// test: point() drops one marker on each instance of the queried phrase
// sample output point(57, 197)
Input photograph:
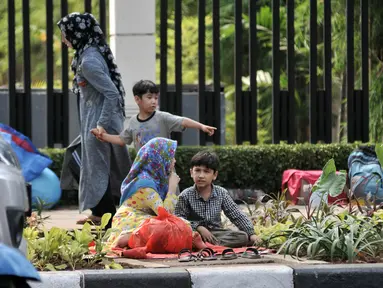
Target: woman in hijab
point(151, 183)
point(98, 84)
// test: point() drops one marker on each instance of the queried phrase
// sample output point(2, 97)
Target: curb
point(273, 276)
point(156, 278)
point(224, 277)
point(69, 279)
point(337, 276)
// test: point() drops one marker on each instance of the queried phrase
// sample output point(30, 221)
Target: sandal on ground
point(206, 254)
point(228, 254)
point(185, 255)
point(251, 253)
point(91, 220)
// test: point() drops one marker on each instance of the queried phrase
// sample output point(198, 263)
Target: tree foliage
point(38, 39)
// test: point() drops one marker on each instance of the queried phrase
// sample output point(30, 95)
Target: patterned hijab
point(83, 31)
point(150, 168)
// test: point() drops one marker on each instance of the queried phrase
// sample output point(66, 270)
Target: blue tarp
point(31, 160)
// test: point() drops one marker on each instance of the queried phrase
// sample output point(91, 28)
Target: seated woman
point(151, 183)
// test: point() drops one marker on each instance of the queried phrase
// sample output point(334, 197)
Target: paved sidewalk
point(66, 217)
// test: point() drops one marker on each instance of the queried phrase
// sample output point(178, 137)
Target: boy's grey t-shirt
point(160, 124)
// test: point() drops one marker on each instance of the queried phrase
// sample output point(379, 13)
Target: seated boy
point(202, 205)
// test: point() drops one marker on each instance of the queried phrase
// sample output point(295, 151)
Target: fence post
point(276, 72)
point(201, 65)
point(50, 72)
point(350, 4)
point(238, 71)
point(313, 71)
point(12, 64)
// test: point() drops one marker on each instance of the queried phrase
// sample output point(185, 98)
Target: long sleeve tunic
point(99, 105)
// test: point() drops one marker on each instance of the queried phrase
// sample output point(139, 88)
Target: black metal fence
point(209, 100)
point(283, 101)
point(57, 101)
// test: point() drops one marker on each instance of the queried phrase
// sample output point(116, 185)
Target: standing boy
point(203, 203)
point(149, 123)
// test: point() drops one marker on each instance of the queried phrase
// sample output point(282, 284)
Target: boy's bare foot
point(198, 242)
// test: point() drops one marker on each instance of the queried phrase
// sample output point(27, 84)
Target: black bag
point(75, 163)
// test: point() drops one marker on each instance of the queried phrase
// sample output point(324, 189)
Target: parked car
point(14, 199)
point(15, 205)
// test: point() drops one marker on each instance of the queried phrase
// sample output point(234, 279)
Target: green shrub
point(57, 156)
point(259, 166)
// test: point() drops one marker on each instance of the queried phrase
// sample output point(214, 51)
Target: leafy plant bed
point(353, 235)
point(366, 261)
point(94, 266)
point(59, 249)
point(345, 237)
point(361, 259)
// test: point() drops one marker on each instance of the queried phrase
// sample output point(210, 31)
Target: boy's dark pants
point(230, 238)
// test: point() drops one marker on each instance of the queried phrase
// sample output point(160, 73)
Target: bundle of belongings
point(43, 183)
point(32, 161)
point(299, 184)
point(365, 175)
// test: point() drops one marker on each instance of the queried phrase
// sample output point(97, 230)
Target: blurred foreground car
point(15, 197)
point(15, 205)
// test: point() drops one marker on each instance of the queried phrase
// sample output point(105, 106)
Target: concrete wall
point(133, 42)
point(40, 118)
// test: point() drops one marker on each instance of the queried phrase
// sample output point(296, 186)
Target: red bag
point(165, 233)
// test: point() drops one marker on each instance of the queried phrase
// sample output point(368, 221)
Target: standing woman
point(98, 83)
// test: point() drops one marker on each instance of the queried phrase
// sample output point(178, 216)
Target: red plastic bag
point(164, 233)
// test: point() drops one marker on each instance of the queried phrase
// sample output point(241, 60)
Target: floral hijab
point(150, 168)
point(83, 31)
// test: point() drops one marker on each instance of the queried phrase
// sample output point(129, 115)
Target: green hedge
point(259, 166)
